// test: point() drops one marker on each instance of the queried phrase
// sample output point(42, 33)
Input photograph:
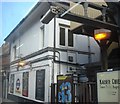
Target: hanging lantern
point(102, 34)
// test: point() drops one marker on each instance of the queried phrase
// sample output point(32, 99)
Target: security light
point(21, 63)
point(50, 14)
point(102, 34)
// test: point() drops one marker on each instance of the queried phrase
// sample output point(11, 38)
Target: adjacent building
point(4, 69)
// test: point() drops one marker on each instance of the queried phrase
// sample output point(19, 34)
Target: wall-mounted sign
point(25, 84)
point(65, 89)
point(108, 86)
point(18, 84)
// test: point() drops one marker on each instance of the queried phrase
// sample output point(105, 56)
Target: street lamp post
point(104, 60)
point(102, 35)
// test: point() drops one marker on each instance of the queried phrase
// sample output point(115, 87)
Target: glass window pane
point(62, 36)
point(70, 38)
point(43, 34)
point(14, 52)
point(40, 84)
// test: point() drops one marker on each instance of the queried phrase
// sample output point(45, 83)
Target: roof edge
point(19, 24)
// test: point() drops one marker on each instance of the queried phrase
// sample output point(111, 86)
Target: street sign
point(108, 87)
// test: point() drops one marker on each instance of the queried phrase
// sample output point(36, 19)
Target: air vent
point(70, 58)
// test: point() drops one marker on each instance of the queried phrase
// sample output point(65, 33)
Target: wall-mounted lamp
point(50, 14)
point(21, 63)
point(102, 34)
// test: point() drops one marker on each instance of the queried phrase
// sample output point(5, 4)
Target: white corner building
point(34, 44)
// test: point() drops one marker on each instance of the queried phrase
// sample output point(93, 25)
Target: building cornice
point(49, 49)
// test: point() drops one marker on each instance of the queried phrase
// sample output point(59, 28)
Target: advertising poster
point(11, 83)
point(25, 84)
point(65, 89)
point(108, 87)
point(18, 84)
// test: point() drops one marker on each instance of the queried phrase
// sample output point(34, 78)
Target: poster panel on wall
point(65, 89)
point(11, 83)
point(25, 84)
point(18, 84)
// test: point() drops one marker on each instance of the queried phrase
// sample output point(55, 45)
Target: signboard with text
point(65, 89)
point(108, 86)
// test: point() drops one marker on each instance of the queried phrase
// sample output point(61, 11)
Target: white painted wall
point(32, 40)
point(32, 80)
point(28, 42)
point(80, 43)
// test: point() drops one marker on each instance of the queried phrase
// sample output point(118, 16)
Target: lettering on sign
point(108, 86)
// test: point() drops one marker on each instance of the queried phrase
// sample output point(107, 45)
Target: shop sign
point(108, 86)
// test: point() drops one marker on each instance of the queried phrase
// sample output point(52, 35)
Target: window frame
point(67, 28)
point(14, 52)
point(42, 29)
point(40, 96)
point(72, 38)
point(61, 36)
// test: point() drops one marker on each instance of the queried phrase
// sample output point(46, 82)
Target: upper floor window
point(43, 36)
point(14, 52)
point(66, 37)
point(70, 38)
point(62, 36)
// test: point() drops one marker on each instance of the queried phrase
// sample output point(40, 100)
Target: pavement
point(5, 101)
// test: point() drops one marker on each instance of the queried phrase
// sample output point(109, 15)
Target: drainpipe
point(59, 62)
point(54, 37)
point(54, 42)
point(54, 51)
point(89, 50)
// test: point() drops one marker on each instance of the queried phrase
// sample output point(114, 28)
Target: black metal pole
point(104, 60)
point(54, 36)
point(103, 46)
point(54, 43)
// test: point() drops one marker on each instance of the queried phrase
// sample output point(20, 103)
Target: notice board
point(108, 87)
